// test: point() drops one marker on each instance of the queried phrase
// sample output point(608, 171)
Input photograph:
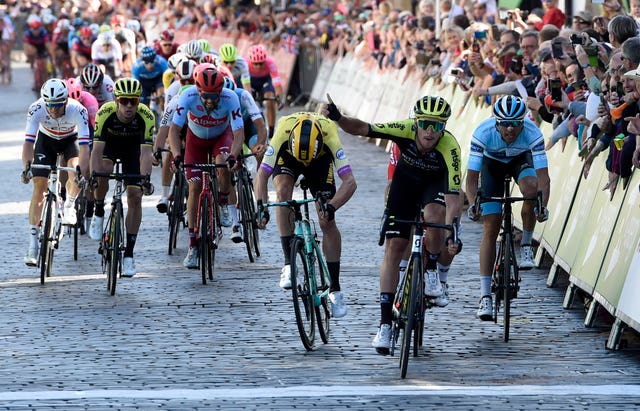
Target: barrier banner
point(619, 252)
point(318, 93)
point(374, 87)
point(391, 98)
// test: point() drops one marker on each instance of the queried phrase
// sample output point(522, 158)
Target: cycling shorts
point(197, 150)
point(129, 155)
point(319, 174)
point(492, 178)
point(47, 148)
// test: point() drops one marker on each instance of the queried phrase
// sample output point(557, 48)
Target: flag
point(290, 43)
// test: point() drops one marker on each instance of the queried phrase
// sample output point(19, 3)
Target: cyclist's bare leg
point(332, 240)
point(37, 199)
point(528, 188)
point(490, 231)
point(100, 192)
point(72, 187)
point(167, 174)
point(134, 211)
point(395, 249)
point(283, 184)
point(434, 213)
point(195, 187)
point(270, 106)
point(223, 175)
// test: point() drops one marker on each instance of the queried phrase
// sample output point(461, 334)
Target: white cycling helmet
point(105, 37)
point(54, 90)
point(185, 69)
point(95, 28)
point(193, 50)
point(175, 59)
point(133, 25)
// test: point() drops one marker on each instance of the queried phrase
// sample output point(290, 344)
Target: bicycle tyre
point(506, 278)
point(175, 211)
point(205, 256)
point(323, 282)
point(418, 331)
point(46, 237)
point(497, 282)
point(300, 292)
point(114, 249)
point(80, 206)
point(252, 213)
point(243, 208)
point(405, 345)
point(215, 233)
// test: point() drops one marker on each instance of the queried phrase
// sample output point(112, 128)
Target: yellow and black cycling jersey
point(444, 159)
point(331, 143)
point(109, 129)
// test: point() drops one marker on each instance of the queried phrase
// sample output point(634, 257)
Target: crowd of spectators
point(579, 73)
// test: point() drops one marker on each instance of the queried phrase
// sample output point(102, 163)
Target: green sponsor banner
point(617, 261)
point(509, 4)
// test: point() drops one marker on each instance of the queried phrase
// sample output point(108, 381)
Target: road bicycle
point(51, 218)
point(410, 303)
point(505, 275)
point(113, 239)
point(208, 229)
point(81, 210)
point(176, 205)
point(310, 281)
point(247, 209)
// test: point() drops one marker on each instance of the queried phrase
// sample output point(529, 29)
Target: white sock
point(526, 237)
point(34, 232)
point(165, 191)
point(233, 211)
point(70, 201)
point(485, 285)
point(443, 271)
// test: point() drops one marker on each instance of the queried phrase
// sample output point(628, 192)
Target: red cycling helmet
point(75, 88)
point(257, 54)
point(118, 20)
point(35, 24)
point(207, 78)
point(86, 32)
point(166, 35)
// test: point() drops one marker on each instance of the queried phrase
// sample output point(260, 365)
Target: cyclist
point(184, 71)
point(55, 125)
point(214, 126)
point(37, 41)
point(165, 46)
point(238, 65)
point(255, 137)
point(124, 130)
point(430, 159)
point(192, 49)
point(81, 48)
point(507, 143)
point(149, 69)
point(127, 40)
point(265, 81)
point(106, 51)
point(308, 144)
point(97, 83)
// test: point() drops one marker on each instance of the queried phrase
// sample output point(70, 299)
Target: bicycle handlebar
point(503, 200)
point(51, 168)
point(453, 227)
point(120, 176)
point(206, 166)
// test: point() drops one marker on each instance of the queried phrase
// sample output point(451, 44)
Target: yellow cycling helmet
point(432, 107)
point(228, 53)
point(127, 87)
point(305, 139)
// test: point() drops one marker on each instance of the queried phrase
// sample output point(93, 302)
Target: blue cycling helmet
point(148, 54)
point(509, 108)
point(228, 83)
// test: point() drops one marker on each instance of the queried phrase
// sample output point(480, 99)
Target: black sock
point(89, 210)
point(432, 261)
point(386, 304)
point(286, 248)
point(99, 211)
point(271, 131)
point(334, 273)
point(131, 242)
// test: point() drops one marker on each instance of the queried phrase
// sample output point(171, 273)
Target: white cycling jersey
point(74, 120)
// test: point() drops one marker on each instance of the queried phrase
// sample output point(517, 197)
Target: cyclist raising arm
point(507, 143)
point(308, 144)
point(124, 130)
point(55, 125)
point(430, 158)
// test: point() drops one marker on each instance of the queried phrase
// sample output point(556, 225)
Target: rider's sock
point(432, 260)
point(386, 304)
point(233, 211)
point(70, 201)
point(271, 131)
point(99, 208)
point(485, 285)
point(34, 231)
point(526, 237)
point(443, 272)
point(193, 242)
point(131, 242)
point(89, 210)
point(285, 241)
point(334, 273)
point(165, 191)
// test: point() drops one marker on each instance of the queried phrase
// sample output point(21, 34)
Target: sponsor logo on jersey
point(340, 155)
point(208, 121)
point(269, 151)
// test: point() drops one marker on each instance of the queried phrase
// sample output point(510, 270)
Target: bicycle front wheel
point(506, 289)
point(46, 238)
point(113, 245)
point(205, 246)
point(245, 219)
point(176, 211)
point(323, 282)
point(301, 294)
point(405, 344)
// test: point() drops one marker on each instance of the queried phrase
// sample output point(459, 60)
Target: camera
point(555, 87)
point(457, 71)
point(577, 39)
point(515, 65)
point(419, 45)
point(591, 50)
point(505, 15)
point(479, 34)
point(435, 62)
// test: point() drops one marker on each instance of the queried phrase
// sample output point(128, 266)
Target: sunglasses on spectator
point(433, 124)
point(210, 96)
point(55, 104)
point(129, 101)
point(510, 123)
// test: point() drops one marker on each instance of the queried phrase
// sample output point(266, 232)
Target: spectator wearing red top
point(553, 15)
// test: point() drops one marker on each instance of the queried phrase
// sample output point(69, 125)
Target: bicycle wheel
point(245, 221)
point(405, 344)
point(46, 237)
point(175, 211)
point(205, 246)
point(506, 278)
point(418, 331)
point(497, 283)
point(323, 281)
point(114, 247)
point(252, 211)
point(78, 228)
point(301, 294)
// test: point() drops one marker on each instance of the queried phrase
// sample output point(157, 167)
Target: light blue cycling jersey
point(250, 110)
point(487, 142)
point(208, 125)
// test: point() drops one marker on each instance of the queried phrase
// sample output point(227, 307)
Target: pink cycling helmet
point(75, 88)
point(257, 54)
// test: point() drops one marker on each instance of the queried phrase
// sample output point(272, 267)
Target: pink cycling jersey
point(269, 68)
point(90, 102)
point(208, 125)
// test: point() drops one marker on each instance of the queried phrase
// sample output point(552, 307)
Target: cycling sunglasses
point(126, 101)
point(433, 124)
point(210, 96)
point(55, 104)
point(510, 123)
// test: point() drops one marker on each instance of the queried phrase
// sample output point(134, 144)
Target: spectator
point(553, 15)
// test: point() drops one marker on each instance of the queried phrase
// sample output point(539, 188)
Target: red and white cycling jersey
point(208, 125)
point(74, 120)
